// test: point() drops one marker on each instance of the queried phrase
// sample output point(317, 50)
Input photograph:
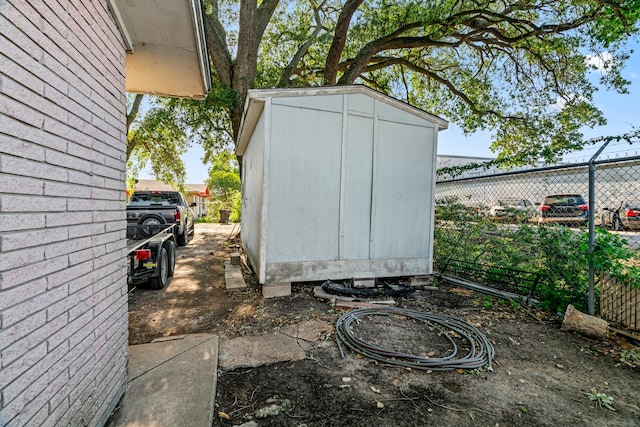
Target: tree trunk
point(584, 324)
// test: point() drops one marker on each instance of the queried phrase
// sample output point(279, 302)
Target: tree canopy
point(517, 68)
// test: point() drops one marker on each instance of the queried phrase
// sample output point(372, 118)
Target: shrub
point(558, 253)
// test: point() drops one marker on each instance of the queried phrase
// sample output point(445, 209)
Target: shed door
point(387, 185)
point(402, 177)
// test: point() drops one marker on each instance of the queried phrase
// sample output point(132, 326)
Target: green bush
point(558, 253)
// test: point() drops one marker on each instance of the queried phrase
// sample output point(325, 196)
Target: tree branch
point(339, 41)
point(133, 113)
point(287, 72)
point(217, 45)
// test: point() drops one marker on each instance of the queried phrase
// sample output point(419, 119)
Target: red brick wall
point(63, 304)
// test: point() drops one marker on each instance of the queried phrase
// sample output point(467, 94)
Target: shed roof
point(257, 97)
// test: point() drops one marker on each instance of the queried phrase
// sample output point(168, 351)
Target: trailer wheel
point(149, 224)
point(160, 280)
point(170, 246)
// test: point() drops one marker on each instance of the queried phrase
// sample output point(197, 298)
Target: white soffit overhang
point(166, 49)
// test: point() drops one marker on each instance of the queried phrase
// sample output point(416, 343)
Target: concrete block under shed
point(364, 283)
point(276, 289)
point(235, 258)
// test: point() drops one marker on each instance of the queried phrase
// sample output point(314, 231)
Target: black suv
point(570, 209)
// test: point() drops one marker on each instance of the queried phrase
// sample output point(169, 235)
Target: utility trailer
point(152, 258)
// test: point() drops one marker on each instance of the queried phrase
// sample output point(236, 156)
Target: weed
point(630, 357)
point(601, 399)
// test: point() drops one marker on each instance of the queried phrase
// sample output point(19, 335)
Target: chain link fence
point(557, 194)
point(536, 220)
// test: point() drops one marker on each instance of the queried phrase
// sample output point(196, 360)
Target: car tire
point(183, 238)
point(159, 282)
point(150, 220)
point(170, 247)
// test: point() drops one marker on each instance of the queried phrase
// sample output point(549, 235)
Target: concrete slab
point(233, 277)
point(287, 345)
point(254, 351)
point(170, 383)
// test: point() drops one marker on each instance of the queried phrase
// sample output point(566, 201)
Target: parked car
point(570, 209)
point(626, 215)
point(149, 211)
point(513, 209)
point(453, 209)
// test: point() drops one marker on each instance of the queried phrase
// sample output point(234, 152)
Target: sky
point(621, 111)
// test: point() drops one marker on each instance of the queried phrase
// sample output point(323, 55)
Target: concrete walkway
point(171, 382)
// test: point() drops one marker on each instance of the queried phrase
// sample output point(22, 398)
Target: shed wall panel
point(320, 102)
point(304, 184)
point(360, 104)
point(358, 169)
point(252, 194)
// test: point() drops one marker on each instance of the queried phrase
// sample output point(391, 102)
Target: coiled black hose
point(480, 351)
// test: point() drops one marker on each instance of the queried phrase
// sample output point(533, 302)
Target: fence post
point(592, 229)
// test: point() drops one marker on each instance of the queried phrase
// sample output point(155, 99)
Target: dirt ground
point(542, 376)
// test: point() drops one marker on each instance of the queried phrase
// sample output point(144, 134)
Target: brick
point(14, 372)
point(64, 189)
point(19, 203)
point(17, 294)
point(92, 253)
point(108, 306)
point(35, 169)
point(86, 230)
point(68, 218)
point(73, 326)
point(13, 33)
point(69, 273)
point(21, 185)
point(56, 413)
point(10, 222)
point(15, 67)
point(33, 305)
point(32, 271)
point(25, 132)
point(23, 386)
point(36, 412)
point(68, 161)
point(21, 149)
point(19, 258)
point(84, 334)
point(102, 193)
point(80, 283)
point(85, 152)
point(108, 258)
point(38, 336)
point(18, 110)
point(26, 239)
point(19, 331)
point(68, 303)
point(77, 93)
point(74, 205)
point(70, 246)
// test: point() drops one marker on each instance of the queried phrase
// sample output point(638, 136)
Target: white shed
point(337, 183)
